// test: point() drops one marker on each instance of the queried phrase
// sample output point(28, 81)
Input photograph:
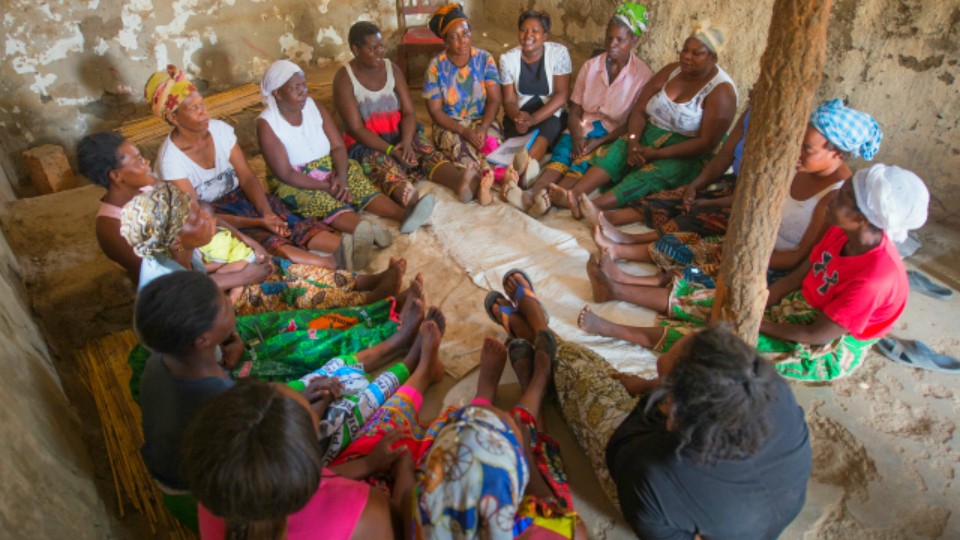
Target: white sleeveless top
point(304, 143)
point(683, 118)
point(797, 216)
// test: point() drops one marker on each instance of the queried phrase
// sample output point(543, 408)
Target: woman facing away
point(310, 170)
point(822, 317)
point(383, 134)
point(201, 157)
point(605, 90)
point(535, 83)
point(166, 228)
point(462, 90)
point(690, 239)
point(679, 118)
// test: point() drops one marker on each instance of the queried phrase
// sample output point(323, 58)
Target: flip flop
point(420, 214)
point(519, 348)
point(503, 319)
point(363, 242)
point(381, 237)
point(546, 341)
point(531, 174)
point(922, 284)
point(523, 291)
point(343, 256)
point(915, 353)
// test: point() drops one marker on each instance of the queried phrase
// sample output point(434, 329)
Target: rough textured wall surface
point(48, 489)
point(896, 59)
point(75, 66)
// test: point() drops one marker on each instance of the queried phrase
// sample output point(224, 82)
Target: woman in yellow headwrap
point(201, 157)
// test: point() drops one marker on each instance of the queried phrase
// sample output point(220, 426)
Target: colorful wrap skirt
point(387, 173)
point(561, 159)
point(663, 211)
point(299, 286)
point(460, 151)
point(302, 230)
point(319, 204)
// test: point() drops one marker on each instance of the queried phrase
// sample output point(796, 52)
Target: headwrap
point(473, 481)
point(892, 199)
point(276, 76)
point(634, 16)
point(166, 90)
point(151, 221)
point(442, 18)
point(848, 129)
point(712, 37)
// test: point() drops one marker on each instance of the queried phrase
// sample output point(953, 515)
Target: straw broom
point(106, 374)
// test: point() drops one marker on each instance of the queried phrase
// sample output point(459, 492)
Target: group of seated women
point(281, 391)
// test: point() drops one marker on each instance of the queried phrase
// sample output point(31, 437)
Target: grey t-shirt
point(168, 404)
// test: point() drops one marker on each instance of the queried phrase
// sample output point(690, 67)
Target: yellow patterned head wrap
point(151, 221)
point(713, 37)
point(442, 18)
point(166, 90)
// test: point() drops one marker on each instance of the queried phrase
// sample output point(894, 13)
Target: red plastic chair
point(416, 39)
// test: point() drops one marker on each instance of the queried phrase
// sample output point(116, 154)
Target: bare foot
point(610, 269)
point(414, 291)
point(390, 280)
point(430, 352)
point(592, 323)
point(510, 191)
point(558, 196)
point(604, 243)
point(405, 194)
point(611, 231)
point(484, 197)
point(598, 282)
point(493, 357)
point(464, 190)
point(410, 318)
point(434, 314)
point(400, 264)
point(540, 204)
point(521, 358)
point(588, 209)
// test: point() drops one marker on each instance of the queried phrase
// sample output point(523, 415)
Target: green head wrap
point(634, 16)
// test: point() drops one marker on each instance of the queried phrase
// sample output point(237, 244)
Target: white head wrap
point(712, 37)
point(892, 199)
point(276, 76)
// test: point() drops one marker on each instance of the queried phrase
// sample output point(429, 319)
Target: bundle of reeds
point(220, 105)
point(106, 374)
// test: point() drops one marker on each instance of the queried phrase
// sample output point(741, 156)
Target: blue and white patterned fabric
point(848, 129)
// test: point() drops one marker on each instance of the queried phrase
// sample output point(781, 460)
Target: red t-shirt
point(864, 293)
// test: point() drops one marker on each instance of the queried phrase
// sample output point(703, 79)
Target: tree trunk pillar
point(790, 72)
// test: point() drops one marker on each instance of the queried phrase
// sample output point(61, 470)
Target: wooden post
point(790, 72)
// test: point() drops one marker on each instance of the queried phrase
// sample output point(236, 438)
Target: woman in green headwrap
point(679, 118)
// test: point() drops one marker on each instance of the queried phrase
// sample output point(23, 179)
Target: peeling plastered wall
point(896, 59)
point(72, 67)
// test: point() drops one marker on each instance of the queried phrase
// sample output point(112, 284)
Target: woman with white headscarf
point(822, 317)
point(308, 160)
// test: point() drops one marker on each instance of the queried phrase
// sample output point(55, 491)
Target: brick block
point(48, 168)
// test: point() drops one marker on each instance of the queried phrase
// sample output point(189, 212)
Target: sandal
point(523, 291)
point(923, 285)
point(546, 341)
point(519, 348)
point(914, 353)
point(503, 319)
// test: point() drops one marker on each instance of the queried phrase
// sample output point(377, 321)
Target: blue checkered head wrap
point(850, 130)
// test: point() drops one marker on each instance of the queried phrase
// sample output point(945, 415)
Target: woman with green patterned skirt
point(310, 171)
point(679, 118)
point(823, 316)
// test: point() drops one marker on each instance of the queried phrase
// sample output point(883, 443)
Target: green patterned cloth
point(286, 345)
point(634, 183)
point(691, 305)
point(634, 15)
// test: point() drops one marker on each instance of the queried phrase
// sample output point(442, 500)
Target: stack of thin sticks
point(218, 106)
point(106, 374)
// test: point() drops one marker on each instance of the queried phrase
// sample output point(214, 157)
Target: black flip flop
point(917, 354)
point(922, 284)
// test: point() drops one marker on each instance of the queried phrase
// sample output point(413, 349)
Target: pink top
point(609, 102)
point(332, 513)
point(863, 293)
point(108, 211)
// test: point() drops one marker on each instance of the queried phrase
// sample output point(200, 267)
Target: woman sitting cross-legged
point(462, 89)
point(716, 446)
point(689, 239)
point(823, 316)
point(535, 81)
point(196, 349)
point(606, 89)
point(310, 170)
point(166, 228)
point(201, 157)
point(679, 118)
point(383, 134)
